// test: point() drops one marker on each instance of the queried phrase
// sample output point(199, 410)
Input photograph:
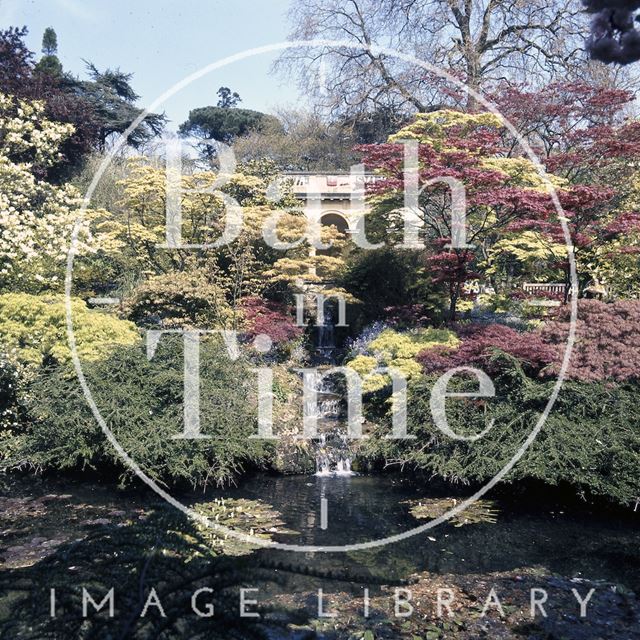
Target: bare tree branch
point(481, 41)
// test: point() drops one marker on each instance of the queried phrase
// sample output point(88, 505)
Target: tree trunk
point(473, 81)
point(454, 294)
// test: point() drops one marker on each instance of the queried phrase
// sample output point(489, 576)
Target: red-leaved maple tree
point(266, 317)
point(480, 344)
point(580, 134)
point(494, 199)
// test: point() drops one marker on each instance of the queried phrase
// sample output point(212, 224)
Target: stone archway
point(335, 219)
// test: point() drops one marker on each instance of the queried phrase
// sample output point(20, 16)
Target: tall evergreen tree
point(49, 42)
point(50, 63)
point(98, 108)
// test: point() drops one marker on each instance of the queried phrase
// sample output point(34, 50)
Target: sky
point(163, 41)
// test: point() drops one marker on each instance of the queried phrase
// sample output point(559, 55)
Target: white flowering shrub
point(36, 217)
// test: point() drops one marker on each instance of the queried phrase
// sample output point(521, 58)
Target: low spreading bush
point(590, 439)
point(398, 350)
point(606, 348)
point(480, 343)
point(607, 345)
point(142, 404)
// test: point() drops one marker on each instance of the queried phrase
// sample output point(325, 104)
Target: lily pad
point(250, 517)
point(431, 508)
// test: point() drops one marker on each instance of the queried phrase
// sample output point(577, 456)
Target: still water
point(66, 534)
point(577, 540)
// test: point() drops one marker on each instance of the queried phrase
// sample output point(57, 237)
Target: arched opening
point(337, 220)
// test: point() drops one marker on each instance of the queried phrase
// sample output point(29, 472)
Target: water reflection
point(576, 541)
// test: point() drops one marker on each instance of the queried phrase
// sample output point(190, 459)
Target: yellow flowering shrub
point(398, 351)
point(463, 305)
point(431, 128)
point(33, 329)
point(363, 365)
point(392, 345)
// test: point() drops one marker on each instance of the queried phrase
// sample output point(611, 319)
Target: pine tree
point(49, 63)
point(49, 42)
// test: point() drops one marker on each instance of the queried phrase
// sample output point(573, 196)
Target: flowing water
point(333, 452)
point(332, 447)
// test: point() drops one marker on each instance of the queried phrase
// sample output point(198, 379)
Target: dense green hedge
point(591, 438)
point(141, 401)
